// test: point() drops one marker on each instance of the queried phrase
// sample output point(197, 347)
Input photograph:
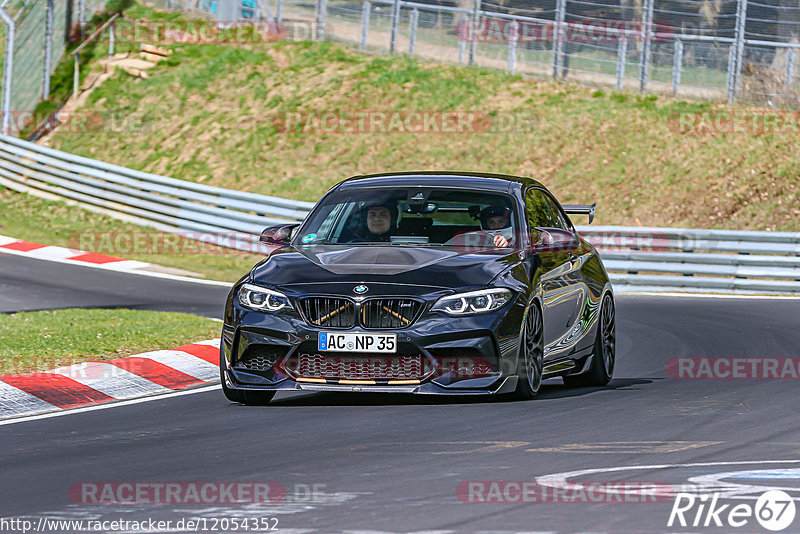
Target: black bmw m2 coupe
point(422, 282)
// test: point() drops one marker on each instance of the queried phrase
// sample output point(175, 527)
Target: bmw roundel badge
point(360, 289)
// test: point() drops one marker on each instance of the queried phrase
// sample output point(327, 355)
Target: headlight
point(473, 302)
point(262, 299)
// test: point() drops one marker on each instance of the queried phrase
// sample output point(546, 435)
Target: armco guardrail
point(638, 259)
point(674, 259)
point(206, 212)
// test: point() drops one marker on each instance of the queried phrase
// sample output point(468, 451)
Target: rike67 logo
point(774, 510)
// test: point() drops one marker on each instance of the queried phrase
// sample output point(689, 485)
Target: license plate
point(357, 342)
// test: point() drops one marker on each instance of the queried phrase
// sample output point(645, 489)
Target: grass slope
point(42, 340)
point(213, 114)
point(56, 223)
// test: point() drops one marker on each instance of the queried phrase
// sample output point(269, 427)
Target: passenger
point(496, 220)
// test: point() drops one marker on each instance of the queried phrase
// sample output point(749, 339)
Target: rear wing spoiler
point(579, 209)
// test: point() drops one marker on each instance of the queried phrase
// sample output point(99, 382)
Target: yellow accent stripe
point(316, 380)
point(363, 382)
point(399, 382)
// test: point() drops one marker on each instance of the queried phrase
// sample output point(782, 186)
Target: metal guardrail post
point(789, 68)
point(647, 37)
point(366, 9)
point(413, 25)
point(474, 30)
point(677, 64)
point(322, 15)
point(463, 36)
point(395, 26)
point(622, 55)
point(738, 49)
point(513, 37)
point(8, 72)
point(48, 50)
point(558, 36)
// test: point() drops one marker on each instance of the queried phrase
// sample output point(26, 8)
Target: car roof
point(468, 180)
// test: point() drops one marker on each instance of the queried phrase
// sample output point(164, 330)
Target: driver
point(381, 220)
point(496, 221)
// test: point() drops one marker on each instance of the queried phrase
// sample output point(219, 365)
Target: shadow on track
point(549, 391)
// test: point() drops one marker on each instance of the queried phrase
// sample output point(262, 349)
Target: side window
point(537, 210)
point(561, 219)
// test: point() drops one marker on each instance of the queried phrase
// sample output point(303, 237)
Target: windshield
point(411, 216)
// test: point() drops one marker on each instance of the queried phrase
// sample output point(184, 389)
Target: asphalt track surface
point(394, 463)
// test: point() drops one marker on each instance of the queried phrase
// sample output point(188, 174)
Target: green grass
point(216, 114)
point(43, 340)
point(56, 223)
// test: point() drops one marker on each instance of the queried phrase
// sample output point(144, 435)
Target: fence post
point(622, 55)
point(558, 34)
point(463, 36)
point(731, 69)
point(789, 67)
point(395, 25)
point(677, 64)
point(366, 8)
point(475, 20)
point(81, 15)
point(111, 38)
point(738, 49)
point(413, 24)
point(322, 15)
point(48, 50)
point(76, 75)
point(8, 72)
point(513, 36)
point(644, 63)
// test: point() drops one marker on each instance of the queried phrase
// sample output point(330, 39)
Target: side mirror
point(279, 235)
point(555, 240)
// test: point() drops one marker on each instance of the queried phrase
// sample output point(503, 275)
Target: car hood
point(441, 267)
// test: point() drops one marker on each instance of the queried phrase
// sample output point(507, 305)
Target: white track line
point(108, 405)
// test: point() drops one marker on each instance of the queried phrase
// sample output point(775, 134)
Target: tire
point(250, 398)
point(531, 354)
point(604, 353)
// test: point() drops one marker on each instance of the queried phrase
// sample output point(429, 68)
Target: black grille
point(330, 311)
point(359, 366)
point(260, 357)
point(378, 313)
point(389, 313)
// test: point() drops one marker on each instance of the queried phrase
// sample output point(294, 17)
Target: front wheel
point(531, 353)
point(604, 354)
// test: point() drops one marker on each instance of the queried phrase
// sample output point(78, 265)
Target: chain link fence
point(35, 34)
point(719, 49)
point(744, 50)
